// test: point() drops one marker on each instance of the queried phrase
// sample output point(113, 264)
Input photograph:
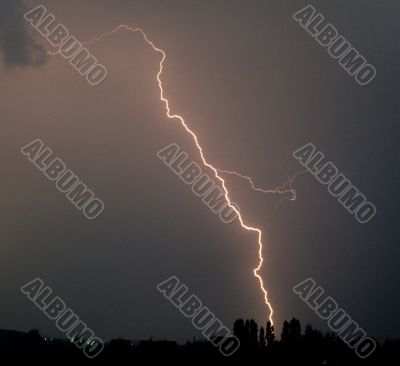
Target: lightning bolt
point(285, 188)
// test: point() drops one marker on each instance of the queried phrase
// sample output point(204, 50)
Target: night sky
point(254, 86)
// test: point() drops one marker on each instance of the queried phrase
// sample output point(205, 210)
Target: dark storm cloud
point(17, 45)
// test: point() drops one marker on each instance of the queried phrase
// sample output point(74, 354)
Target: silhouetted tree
point(34, 342)
point(262, 338)
point(295, 329)
point(285, 336)
point(247, 328)
point(239, 331)
point(253, 333)
point(269, 334)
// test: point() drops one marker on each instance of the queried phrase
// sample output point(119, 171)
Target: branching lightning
point(285, 188)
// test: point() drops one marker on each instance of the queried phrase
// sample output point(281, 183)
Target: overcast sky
point(255, 87)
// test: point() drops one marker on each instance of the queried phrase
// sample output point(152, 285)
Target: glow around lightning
point(285, 188)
